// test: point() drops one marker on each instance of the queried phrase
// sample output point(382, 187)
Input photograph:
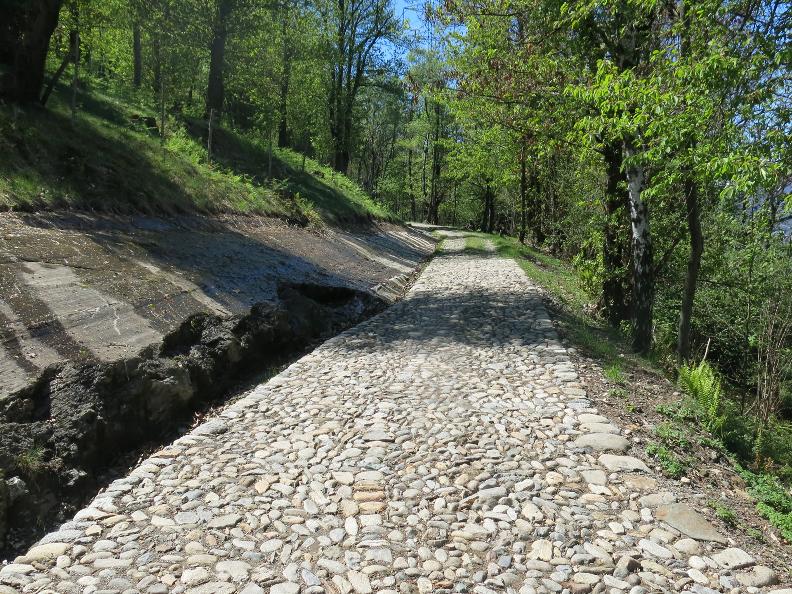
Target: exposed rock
point(3, 509)
point(733, 558)
point(602, 442)
point(656, 499)
point(655, 549)
point(16, 489)
point(687, 546)
point(615, 463)
point(46, 551)
point(78, 417)
point(626, 565)
point(594, 477)
point(689, 522)
point(599, 428)
point(758, 577)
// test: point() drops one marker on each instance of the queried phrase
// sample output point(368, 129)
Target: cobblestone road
point(444, 445)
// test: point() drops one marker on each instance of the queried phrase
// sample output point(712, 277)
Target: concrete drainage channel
point(79, 425)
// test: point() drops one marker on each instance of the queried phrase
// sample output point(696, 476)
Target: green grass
point(476, 244)
point(439, 241)
point(673, 435)
point(30, 461)
point(618, 393)
point(725, 513)
point(671, 464)
point(614, 373)
point(108, 160)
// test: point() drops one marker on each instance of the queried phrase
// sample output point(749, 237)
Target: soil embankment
point(114, 331)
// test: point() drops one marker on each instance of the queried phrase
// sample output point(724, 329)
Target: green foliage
point(774, 502)
point(670, 463)
point(672, 435)
point(678, 411)
point(703, 385)
point(617, 393)
point(724, 512)
point(335, 196)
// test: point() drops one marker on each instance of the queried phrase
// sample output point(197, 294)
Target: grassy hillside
point(109, 159)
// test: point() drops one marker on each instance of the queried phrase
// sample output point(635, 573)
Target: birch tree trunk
point(643, 261)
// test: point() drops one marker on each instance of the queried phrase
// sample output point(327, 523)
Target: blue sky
point(412, 11)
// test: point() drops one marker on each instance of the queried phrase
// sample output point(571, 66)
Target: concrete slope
point(83, 287)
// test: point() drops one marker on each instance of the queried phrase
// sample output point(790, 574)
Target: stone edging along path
point(445, 445)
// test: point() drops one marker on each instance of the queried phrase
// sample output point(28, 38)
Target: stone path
point(445, 445)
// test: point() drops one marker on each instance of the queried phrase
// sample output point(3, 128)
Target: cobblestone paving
point(445, 445)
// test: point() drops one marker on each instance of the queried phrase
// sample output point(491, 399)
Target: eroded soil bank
point(165, 340)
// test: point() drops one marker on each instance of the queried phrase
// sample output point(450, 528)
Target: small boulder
point(689, 522)
point(758, 577)
point(614, 463)
point(16, 489)
point(733, 558)
point(602, 442)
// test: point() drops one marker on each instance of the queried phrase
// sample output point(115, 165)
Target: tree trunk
point(454, 201)
point(162, 107)
point(25, 31)
point(410, 193)
point(693, 220)
point(485, 211)
point(215, 90)
point(488, 216)
point(613, 290)
point(76, 76)
point(283, 127)
point(643, 264)
point(156, 82)
point(137, 56)
point(693, 266)
point(536, 209)
point(523, 192)
point(434, 198)
point(69, 57)
point(342, 149)
point(491, 225)
point(424, 177)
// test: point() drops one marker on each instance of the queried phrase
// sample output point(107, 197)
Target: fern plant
point(702, 384)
